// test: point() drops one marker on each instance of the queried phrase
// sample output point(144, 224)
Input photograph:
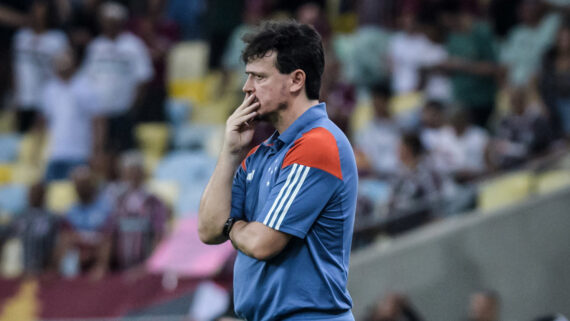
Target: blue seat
point(9, 147)
point(13, 198)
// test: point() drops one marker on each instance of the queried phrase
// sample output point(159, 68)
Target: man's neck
point(294, 111)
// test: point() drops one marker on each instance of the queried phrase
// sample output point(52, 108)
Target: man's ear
point(297, 80)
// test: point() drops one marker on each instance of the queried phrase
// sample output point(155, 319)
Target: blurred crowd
point(435, 95)
point(483, 305)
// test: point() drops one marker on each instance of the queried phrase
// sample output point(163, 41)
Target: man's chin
point(263, 118)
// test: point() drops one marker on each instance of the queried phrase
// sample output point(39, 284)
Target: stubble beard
point(273, 117)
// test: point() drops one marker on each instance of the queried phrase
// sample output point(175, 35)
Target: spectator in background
point(71, 110)
point(159, 35)
point(139, 217)
point(34, 47)
point(379, 13)
point(394, 307)
point(410, 50)
point(456, 147)
point(119, 68)
point(377, 142)
point(442, 156)
point(81, 25)
point(554, 81)
point(521, 134)
point(527, 42)
point(222, 17)
point(189, 15)
point(87, 228)
point(484, 306)
point(12, 17)
point(417, 189)
point(472, 143)
point(37, 228)
point(472, 61)
point(503, 16)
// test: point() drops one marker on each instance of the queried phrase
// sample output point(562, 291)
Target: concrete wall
point(523, 252)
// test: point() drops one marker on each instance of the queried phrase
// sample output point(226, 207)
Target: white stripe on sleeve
point(280, 194)
point(284, 199)
point(292, 198)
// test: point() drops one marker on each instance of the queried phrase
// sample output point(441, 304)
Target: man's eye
point(258, 77)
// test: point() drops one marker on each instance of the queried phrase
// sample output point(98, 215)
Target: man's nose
point(247, 87)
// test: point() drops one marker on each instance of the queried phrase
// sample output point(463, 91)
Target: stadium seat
point(6, 173)
point(153, 138)
point(552, 180)
point(188, 60)
point(32, 149)
point(361, 115)
point(27, 174)
point(13, 199)
point(167, 191)
point(7, 120)
point(505, 190)
point(9, 147)
point(187, 70)
point(178, 112)
point(191, 170)
point(60, 196)
point(194, 136)
point(406, 103)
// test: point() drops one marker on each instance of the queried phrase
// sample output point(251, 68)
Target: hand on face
point(240, 125)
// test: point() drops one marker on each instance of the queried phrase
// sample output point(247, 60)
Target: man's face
point(270, 87)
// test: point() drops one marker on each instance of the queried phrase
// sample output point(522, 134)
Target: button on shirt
point(303, 183)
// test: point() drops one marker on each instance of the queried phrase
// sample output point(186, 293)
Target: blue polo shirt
point(303, 183)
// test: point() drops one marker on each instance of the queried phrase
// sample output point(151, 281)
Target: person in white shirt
point(456, 147)
point(377, 142)
point(34, 48)
point(410, 52)
point(71, 113)
point(118, 65)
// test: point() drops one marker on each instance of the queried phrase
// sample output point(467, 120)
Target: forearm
point(215, 204)
point(257, 240)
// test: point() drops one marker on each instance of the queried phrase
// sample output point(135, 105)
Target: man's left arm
point(295, 203)
point(257, 240)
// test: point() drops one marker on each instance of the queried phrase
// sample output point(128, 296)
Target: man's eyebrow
point(254, 73)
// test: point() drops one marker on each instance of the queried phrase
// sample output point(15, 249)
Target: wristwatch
point(228, 227)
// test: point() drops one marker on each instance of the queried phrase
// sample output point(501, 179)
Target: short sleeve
point(309, 177)
point(238, 187)
point(298, 197)
point(238, 195)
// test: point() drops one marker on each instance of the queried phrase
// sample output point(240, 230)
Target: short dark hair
point(298, 46)
point(414, 143)
point(381, 89)
point(435, 105)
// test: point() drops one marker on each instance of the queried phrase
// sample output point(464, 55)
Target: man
point(290, 208)
point(34, 48)
point(72, 115)
point(87, 229)
point(118, 65)
point(139, 217)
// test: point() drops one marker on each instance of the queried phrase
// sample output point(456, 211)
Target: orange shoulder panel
point(251, 151)
point(316, 148)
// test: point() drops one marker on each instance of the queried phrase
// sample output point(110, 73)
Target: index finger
point(247, 100)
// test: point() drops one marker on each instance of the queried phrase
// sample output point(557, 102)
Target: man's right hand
point(240, 126)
